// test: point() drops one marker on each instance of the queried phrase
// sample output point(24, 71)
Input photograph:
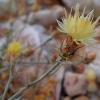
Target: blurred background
point(33, 23)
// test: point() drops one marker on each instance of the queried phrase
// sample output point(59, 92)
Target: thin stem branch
point(9, 81)
point(42, 44)
point(21, 90)
point(46, 41)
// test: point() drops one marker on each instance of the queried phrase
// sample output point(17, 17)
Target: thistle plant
point(78, 26)
point(78, 29)
point(13, 53)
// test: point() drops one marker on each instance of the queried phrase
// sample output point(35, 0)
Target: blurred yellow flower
point(14, 49)
point(80, 27)
point(91, 75)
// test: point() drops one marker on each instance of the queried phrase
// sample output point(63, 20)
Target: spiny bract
point(79, 27)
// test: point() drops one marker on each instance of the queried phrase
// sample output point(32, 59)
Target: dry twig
point(21, 90)
point(9, 80)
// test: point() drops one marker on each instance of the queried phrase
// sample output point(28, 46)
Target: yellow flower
point(80, 27)
point(90, 75)
point(14, 49)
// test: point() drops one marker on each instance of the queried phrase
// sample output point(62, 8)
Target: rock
point(50, 2)
point(2, 42)
point(80, 68)
point(79, 55)
point(72, 3)
point(5, 25)
point(89, 4)
point(19, 24)
point(8, 6)
point(30, 2)
point(23, 18)
point(95, 97)
point(27, 34)
point(66, 98)
point(96, 63)
point(30, 18)
point(24, 76)
point(82, 98)
point(46, 16)
point(32, 36)
point(74, 84)
point(90, 57)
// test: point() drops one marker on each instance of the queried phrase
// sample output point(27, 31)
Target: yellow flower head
point(80, 27)
point(14, 49)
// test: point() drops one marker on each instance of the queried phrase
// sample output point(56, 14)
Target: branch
point(46, 41)
point(49, 72)
point(9, 81)
point(42, 44)
point(21, 90)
